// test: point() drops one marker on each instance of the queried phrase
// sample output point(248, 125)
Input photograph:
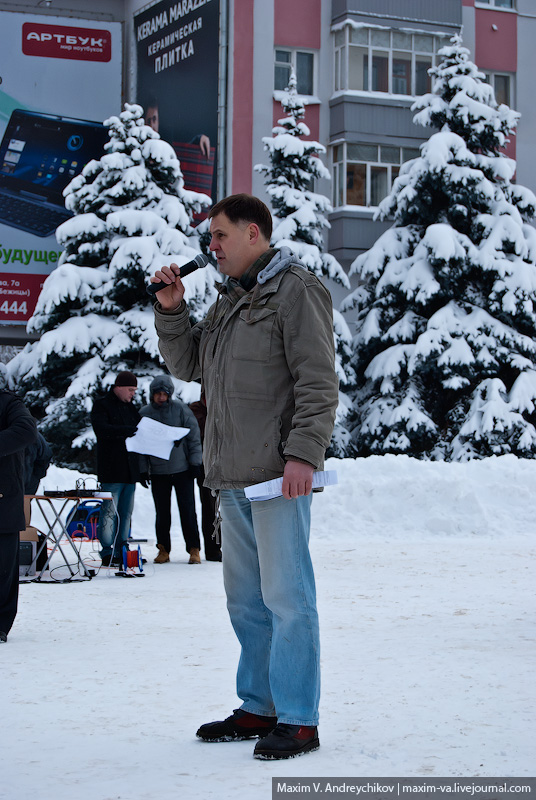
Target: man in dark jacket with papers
point(178, 472)
point(114, 419)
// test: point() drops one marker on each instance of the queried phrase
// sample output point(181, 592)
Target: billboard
point(177, 47)
point(62, 78)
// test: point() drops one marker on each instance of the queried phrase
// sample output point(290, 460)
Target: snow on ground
point(425, 584)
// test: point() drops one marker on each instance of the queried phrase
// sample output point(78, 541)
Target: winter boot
point(287, 741)
point(163, 555)
point(239, 726)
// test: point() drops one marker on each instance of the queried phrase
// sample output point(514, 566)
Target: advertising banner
point(61, 80)
point(177, 82)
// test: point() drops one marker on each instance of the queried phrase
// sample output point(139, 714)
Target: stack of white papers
point(270, 489)
point(153, 438)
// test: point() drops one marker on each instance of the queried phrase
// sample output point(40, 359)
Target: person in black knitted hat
point(114, 418)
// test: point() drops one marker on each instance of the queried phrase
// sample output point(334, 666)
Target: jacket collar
point(268, 278)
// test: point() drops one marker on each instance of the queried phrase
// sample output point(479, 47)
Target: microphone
point(199, 261)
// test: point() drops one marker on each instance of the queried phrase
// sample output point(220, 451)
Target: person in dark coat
point(208, 500)
point(175, 473)
point(37, 458)
point(17, 431)
point(114, 419)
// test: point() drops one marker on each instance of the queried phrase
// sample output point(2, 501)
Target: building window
point(363, 174)
point(502, 84)
point(381, 60)
point(302, 62)
point(497, 3)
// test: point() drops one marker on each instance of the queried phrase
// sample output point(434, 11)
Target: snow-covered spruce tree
point(445, 340)
point(300, 214)
point(94, 315)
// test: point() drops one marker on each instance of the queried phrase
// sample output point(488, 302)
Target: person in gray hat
point(178, 473)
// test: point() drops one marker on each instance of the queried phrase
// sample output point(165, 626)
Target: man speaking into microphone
point(265, 358)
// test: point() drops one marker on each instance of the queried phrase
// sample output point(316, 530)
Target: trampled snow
point(426, 601)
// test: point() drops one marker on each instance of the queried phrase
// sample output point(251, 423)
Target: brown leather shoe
point(195, 558)
point(163, 555)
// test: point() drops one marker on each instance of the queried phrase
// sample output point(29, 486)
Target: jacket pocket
point(255, 448)
point(252, 339)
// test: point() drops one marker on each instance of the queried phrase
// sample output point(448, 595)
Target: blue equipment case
point(82, 522)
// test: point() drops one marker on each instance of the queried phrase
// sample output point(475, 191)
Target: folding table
point(54, 508)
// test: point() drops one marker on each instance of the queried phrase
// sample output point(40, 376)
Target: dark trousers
point(9, 579)
point(208, 514)
point(161, 486)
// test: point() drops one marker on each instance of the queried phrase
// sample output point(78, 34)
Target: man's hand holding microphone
point(167, 286)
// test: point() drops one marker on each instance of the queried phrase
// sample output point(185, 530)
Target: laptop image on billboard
point(39, 155)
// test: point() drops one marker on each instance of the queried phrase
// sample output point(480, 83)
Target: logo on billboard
point(61, 41)
point(75, 142)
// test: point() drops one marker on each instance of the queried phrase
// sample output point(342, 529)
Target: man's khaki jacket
point(266, 366)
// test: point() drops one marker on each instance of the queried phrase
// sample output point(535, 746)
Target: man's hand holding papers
point(153, 438)
point(267, 490)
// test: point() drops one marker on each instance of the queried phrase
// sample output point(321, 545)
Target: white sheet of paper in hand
point(267, 490)
point(153, 438)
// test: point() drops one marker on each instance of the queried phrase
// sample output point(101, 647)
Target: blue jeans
point(271, 599)
point(111, 529)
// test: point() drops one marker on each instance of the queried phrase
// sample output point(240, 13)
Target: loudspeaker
point(27, 551)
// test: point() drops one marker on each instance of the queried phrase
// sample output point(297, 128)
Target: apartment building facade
point(360, 65)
